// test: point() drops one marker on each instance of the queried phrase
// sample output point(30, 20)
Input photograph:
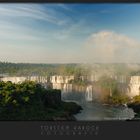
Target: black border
point(32, 130)
point(110, 130)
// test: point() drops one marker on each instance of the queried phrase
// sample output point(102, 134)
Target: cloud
point(65, 7)
point(108, 46)
point(73, 31)
point(22, 21)
point(32, 11)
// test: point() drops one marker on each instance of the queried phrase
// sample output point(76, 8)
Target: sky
point(70, 33)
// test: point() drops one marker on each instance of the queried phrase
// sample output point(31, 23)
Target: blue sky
point(69, 33)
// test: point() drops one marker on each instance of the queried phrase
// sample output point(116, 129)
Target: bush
point(71, 107)
point(31, 101)
point(136, 99)
point(25, 100)
point(119, 99)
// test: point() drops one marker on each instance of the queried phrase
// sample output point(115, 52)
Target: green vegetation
point(136, 99)
point(79, 82)
point(118, 99)
point(112, 94)
point(30, 101)
point(135, 105)
point(108, 87)
point(109, 84)
point(27, 69)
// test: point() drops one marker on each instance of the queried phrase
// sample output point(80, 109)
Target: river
point(97, 112)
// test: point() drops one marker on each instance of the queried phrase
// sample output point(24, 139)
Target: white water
point(67, 88)
point(40, 79)
point(89, 94)
point(62, 82)
point(134, 86)
point(98, 112)
point(61, 79)
point(91, 110)
point(14, 79)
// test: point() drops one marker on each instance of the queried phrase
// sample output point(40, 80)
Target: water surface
point(96, 111)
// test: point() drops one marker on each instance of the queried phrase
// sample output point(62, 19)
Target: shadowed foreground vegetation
point(135, 105)
point(31, 101)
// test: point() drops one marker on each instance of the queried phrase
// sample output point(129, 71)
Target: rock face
point(134, 86)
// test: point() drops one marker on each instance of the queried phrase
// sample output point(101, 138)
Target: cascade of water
point(57, 86)
point(134, 86)
point(88, 94)
point(67, 88)
point(13, 79)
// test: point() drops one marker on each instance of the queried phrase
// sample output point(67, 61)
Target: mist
point(111, 47)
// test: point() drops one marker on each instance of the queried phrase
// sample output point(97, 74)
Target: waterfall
point(134, 86)
point(40, 79)
point(57, 86)
point(88, 94)
point(13, 79)
point(61, 82)
point(67, 88)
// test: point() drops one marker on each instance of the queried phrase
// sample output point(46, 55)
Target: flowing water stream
point(97, 112)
